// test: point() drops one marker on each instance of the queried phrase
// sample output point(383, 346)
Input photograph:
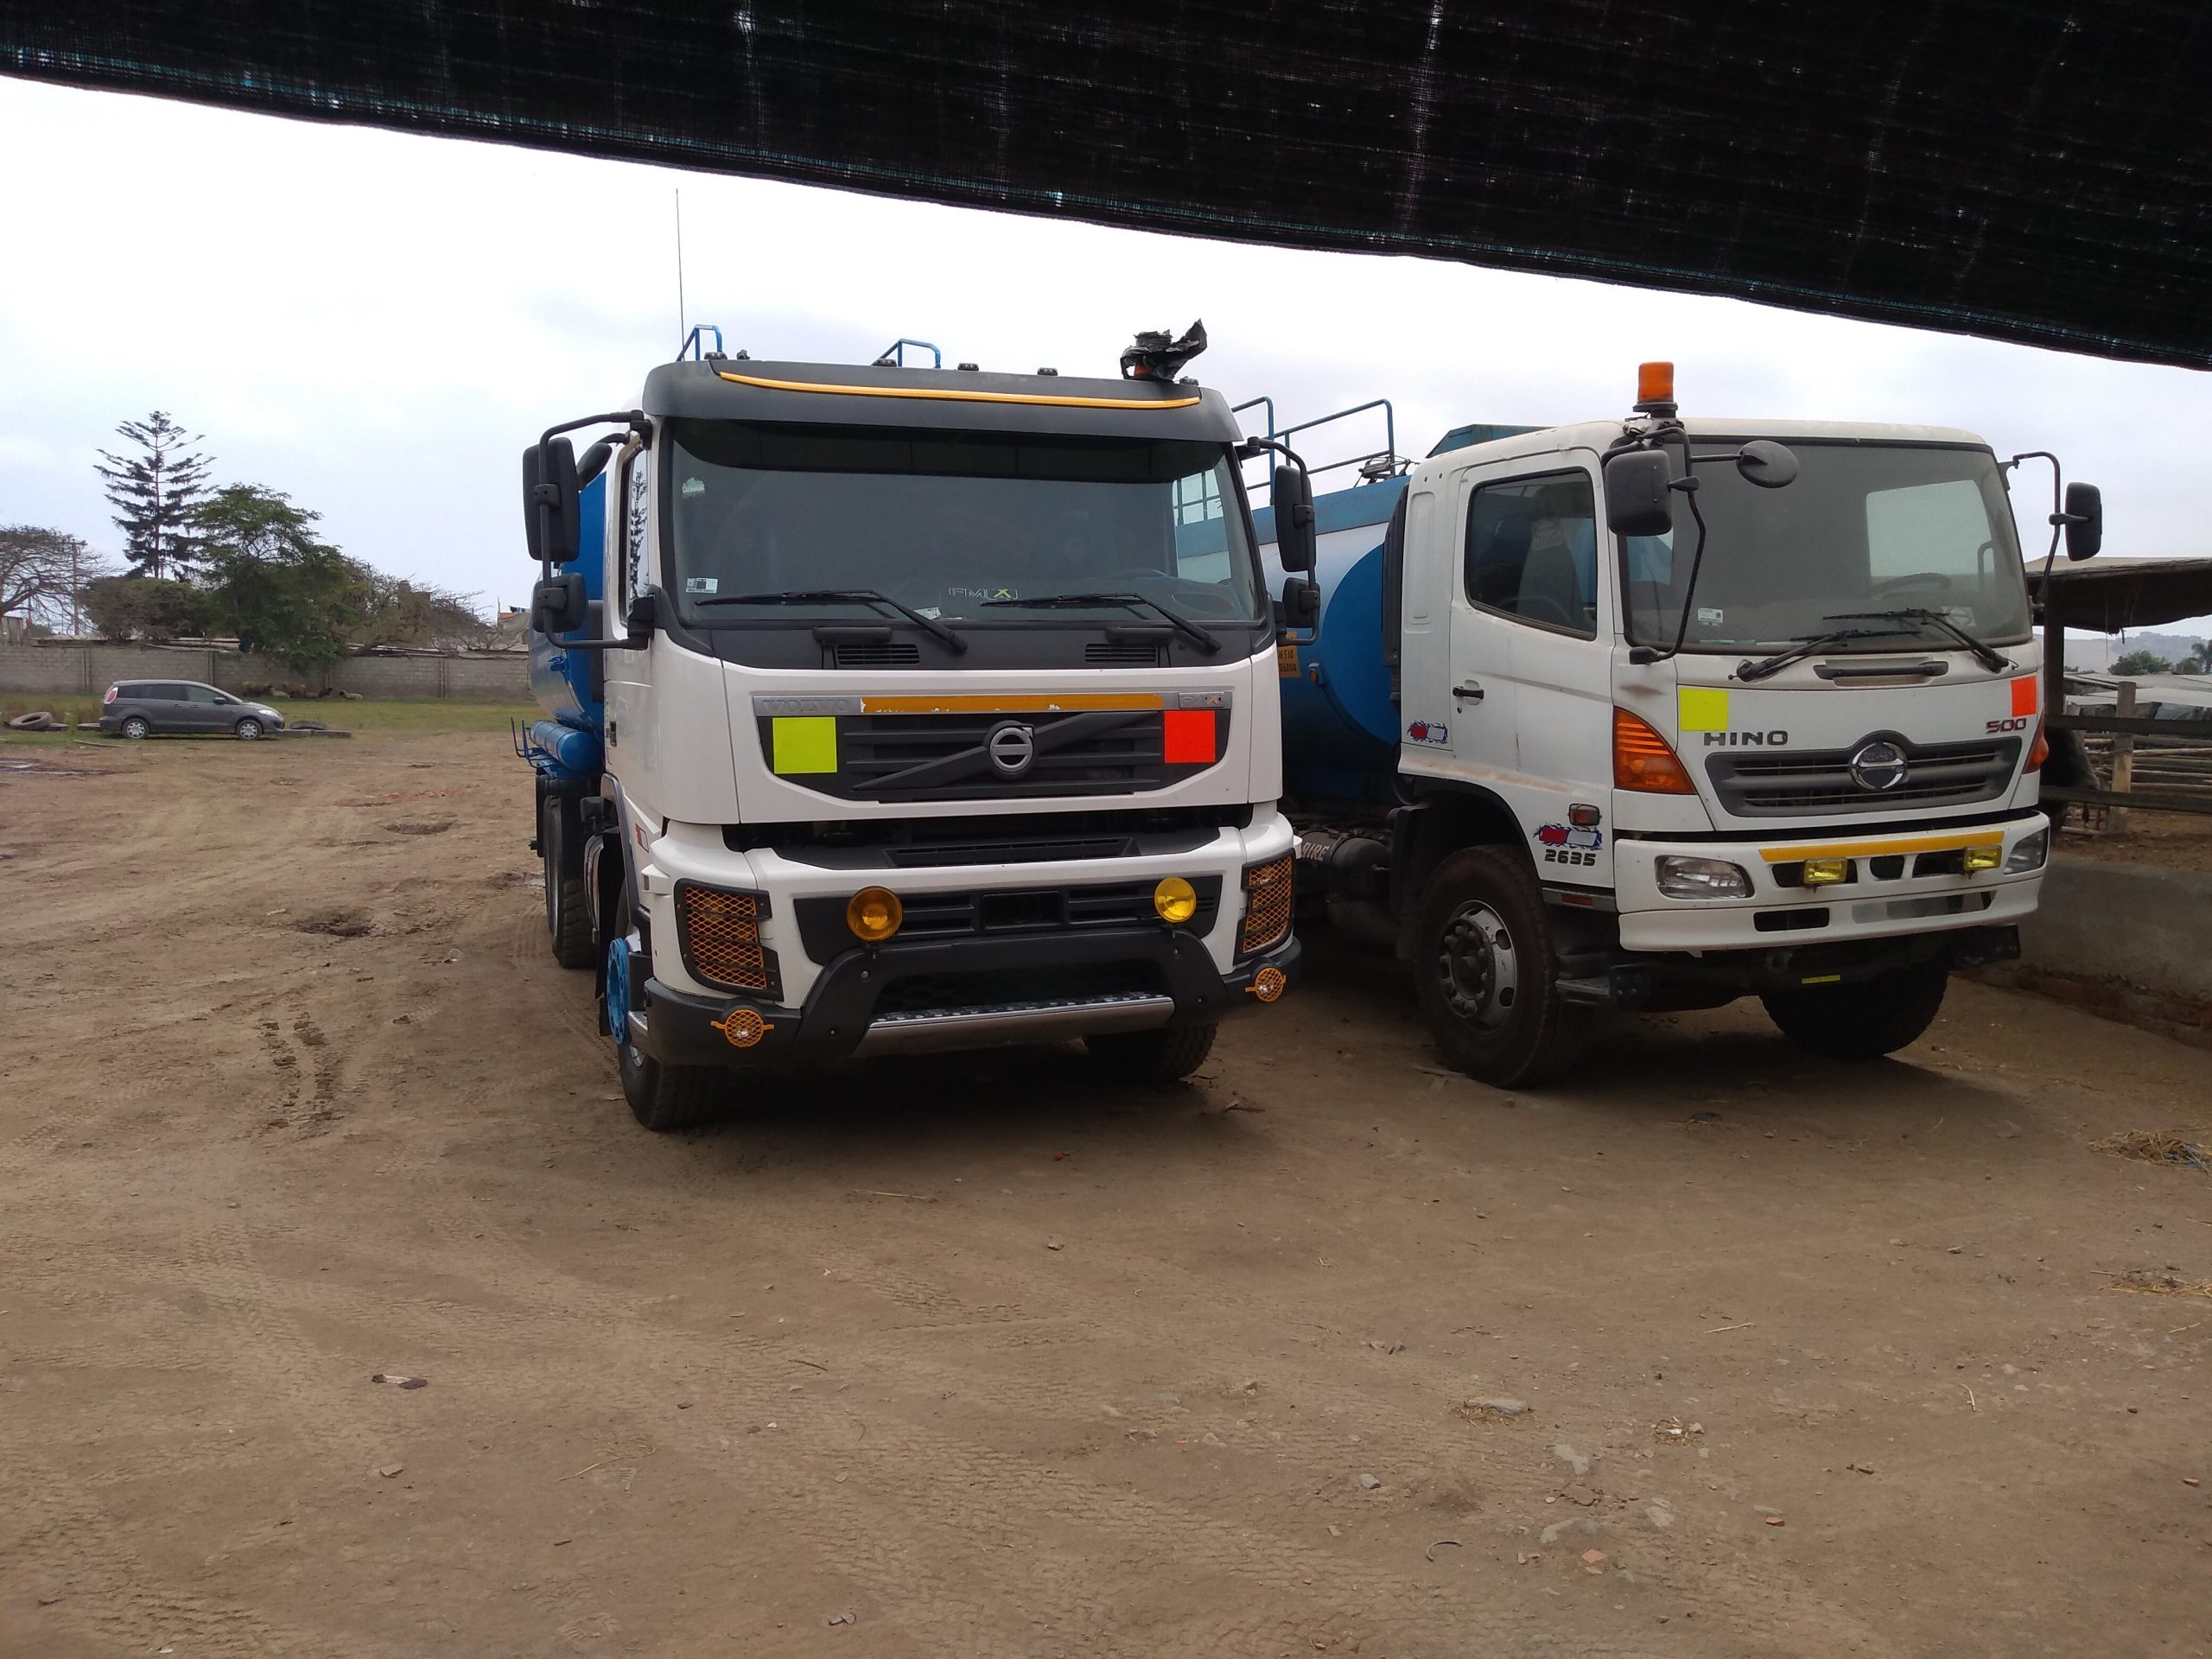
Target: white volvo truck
point(893, 709)
point(1653, 714)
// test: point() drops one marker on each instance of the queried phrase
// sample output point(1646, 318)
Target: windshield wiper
point(1984, 654)
point(1183, 625)
point(929, 625)
point(1805, 646)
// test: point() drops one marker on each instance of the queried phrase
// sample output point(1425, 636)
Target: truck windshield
point(950, 522)
point(1865, 528)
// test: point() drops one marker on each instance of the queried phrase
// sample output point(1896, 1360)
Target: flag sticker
point(2024, 700)
point(804, 743)
point(1701, 708)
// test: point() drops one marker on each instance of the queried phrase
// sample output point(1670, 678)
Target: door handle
point(1472, 691)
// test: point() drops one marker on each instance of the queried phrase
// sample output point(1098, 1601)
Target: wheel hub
point(1477, 967)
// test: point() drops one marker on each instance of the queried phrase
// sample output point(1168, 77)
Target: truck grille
point(1799, 783)
point(964, 914)
point(946, 757)
point(719, 933)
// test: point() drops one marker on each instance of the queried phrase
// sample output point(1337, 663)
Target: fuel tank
point(1340, 725)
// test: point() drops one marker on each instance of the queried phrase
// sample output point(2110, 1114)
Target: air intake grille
point(1133, 654)
point(1799, 783)
point(719, 933)
point(1268, 890)
point(890, 653)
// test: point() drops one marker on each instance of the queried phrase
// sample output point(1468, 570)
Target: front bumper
point(1157, 977)
point(1886, 898)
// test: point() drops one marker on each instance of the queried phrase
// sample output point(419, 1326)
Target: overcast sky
point(376, 324)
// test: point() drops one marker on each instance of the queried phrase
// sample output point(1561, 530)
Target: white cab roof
point(1598, 435)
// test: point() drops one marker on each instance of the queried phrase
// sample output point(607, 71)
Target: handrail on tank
point(695, 346)
point(894, 356)
point(1374, 465)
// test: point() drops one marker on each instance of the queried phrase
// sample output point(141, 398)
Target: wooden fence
point(2171, 772)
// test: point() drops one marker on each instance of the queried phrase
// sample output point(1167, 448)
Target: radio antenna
point(683, 329)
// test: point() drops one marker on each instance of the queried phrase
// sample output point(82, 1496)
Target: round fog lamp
point(1269, 983)
point(874, 914)
point(1175, 899)
point(742, 1026)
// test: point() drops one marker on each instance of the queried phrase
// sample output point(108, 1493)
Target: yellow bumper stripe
point(1877, 848)
point(1044, 703)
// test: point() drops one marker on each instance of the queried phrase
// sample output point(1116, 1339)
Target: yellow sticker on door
point(1701, 708)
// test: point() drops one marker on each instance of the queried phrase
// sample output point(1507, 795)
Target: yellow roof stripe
point(1045, 702)
point(1877, 848)
point(949, 394)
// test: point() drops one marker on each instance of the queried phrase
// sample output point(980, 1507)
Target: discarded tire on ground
point(38, 720)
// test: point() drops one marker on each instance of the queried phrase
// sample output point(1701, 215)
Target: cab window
point(1532, 550)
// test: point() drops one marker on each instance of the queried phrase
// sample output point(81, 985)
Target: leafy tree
point(152, 494)
point(2199, 660)
point(2142, 662)
point(397, 611)
point(280, 589)
point(43, 574)
point(151, 609)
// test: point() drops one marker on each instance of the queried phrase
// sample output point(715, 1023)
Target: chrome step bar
point(1000, 1025)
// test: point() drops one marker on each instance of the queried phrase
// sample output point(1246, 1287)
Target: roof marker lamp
point(1702, 877)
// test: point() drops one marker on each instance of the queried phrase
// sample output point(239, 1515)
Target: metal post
point(2123, 760)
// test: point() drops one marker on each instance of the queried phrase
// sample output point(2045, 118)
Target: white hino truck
point(1656, 713)
point(891, 708)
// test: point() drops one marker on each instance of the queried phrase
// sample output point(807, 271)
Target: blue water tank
point(1339, 723)
point(565, 682)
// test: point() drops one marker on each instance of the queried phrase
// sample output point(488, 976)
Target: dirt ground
point(985, 1357)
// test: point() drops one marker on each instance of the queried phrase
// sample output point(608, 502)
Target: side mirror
point(1301, 602)
point(558, 606)
point(1294, 546)
point(643, 616)
point(593, 463)
point(1767, 464)
point(1638, 501)
point(2084, 519)
point(552, 511)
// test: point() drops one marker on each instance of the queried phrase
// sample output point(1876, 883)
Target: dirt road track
point(1001, 1359)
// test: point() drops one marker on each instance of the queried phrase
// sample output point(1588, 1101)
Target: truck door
point(628, 684)
point(1528, 635)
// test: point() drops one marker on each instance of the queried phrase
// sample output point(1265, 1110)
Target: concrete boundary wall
point(87, 671)
point(2129, 941)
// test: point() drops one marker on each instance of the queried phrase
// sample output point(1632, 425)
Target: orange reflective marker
point(2025, 699)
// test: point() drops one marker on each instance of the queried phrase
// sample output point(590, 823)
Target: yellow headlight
point(1175, 899)
point(874, 914)
point(1984, 858)
point(1827, 871)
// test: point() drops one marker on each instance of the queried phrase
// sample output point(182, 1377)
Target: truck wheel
point(1167, 1055)
point(661, 1097)
point(567, 917)
point(1864, 1022)
point(1485, 975)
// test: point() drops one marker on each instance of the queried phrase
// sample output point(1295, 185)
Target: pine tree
point(153, 494)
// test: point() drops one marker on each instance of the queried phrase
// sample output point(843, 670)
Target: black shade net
point(2030, 172)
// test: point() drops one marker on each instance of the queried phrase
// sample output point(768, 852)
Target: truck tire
point(1485, 973)
point(661, 1097)
point(1167, 1055)
point(567, 915)
point(1864, 1022)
